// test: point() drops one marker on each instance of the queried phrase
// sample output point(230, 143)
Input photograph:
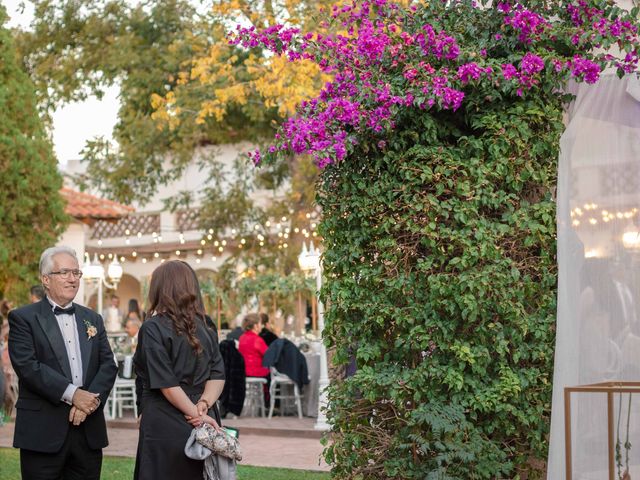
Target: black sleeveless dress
point(164, 359)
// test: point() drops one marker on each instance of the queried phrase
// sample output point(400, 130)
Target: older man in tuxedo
point(66, 370)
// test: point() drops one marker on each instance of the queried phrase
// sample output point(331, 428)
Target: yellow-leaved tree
point(221, 77)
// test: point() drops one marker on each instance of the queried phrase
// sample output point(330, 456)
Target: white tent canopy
point(598, 324)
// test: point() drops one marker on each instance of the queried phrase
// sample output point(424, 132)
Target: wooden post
point(300, 319)
point(610, 415)
point(610, 388)
point(567, 433)
point(314, 313)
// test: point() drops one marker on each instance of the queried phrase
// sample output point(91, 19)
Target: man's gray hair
point(134, 321)
point(46, 259)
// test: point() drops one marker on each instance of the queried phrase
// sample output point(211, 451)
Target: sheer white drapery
point(598, 324)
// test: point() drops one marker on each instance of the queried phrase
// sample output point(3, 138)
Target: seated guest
point(266, 334)
point(132, 327)
point(252, 347)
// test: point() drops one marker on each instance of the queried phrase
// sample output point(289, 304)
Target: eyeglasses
point(66, 274)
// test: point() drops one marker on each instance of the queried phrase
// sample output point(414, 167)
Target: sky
point(78, 122)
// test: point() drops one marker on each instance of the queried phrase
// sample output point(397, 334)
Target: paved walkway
point(260, 447)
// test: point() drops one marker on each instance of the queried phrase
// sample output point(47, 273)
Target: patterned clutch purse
point(218, 441)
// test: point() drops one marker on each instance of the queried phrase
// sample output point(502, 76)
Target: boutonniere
point(91, 329)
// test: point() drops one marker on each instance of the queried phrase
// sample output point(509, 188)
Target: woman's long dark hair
point(174, 291)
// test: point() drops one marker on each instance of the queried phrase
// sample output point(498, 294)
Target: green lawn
point(116, 468)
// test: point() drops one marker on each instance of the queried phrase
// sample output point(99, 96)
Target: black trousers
point(74, 461)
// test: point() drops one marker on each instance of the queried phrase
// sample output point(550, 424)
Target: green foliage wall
point(441, 281)
point(31, 209)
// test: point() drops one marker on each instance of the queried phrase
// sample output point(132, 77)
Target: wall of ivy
point(441, 281)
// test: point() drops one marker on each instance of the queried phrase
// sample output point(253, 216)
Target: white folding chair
point(123, 396)
point(254, 396)
point(279, 383)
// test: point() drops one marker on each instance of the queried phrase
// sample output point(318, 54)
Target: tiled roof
point(84, 206)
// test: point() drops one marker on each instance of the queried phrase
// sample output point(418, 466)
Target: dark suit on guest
point(39, 357)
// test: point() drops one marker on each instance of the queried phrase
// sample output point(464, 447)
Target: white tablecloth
point(310, 392)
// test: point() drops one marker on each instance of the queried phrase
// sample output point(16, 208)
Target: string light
point(285, 232)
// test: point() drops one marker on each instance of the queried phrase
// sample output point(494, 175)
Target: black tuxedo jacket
point(39, 357)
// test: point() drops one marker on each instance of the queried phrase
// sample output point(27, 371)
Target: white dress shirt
point(69, 330)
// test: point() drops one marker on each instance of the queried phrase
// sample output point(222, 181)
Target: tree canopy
point(183, 89)
point(31, 209)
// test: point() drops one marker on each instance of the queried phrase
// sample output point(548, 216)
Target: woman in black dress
point(180, 372)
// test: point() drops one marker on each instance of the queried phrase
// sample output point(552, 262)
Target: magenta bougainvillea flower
point(388, 59)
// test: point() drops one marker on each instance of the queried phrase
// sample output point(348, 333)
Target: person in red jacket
point(252, 348)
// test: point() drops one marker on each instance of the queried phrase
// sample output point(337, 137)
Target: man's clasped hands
point(83, 404)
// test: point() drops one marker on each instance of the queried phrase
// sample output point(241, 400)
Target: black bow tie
point(64, 311)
